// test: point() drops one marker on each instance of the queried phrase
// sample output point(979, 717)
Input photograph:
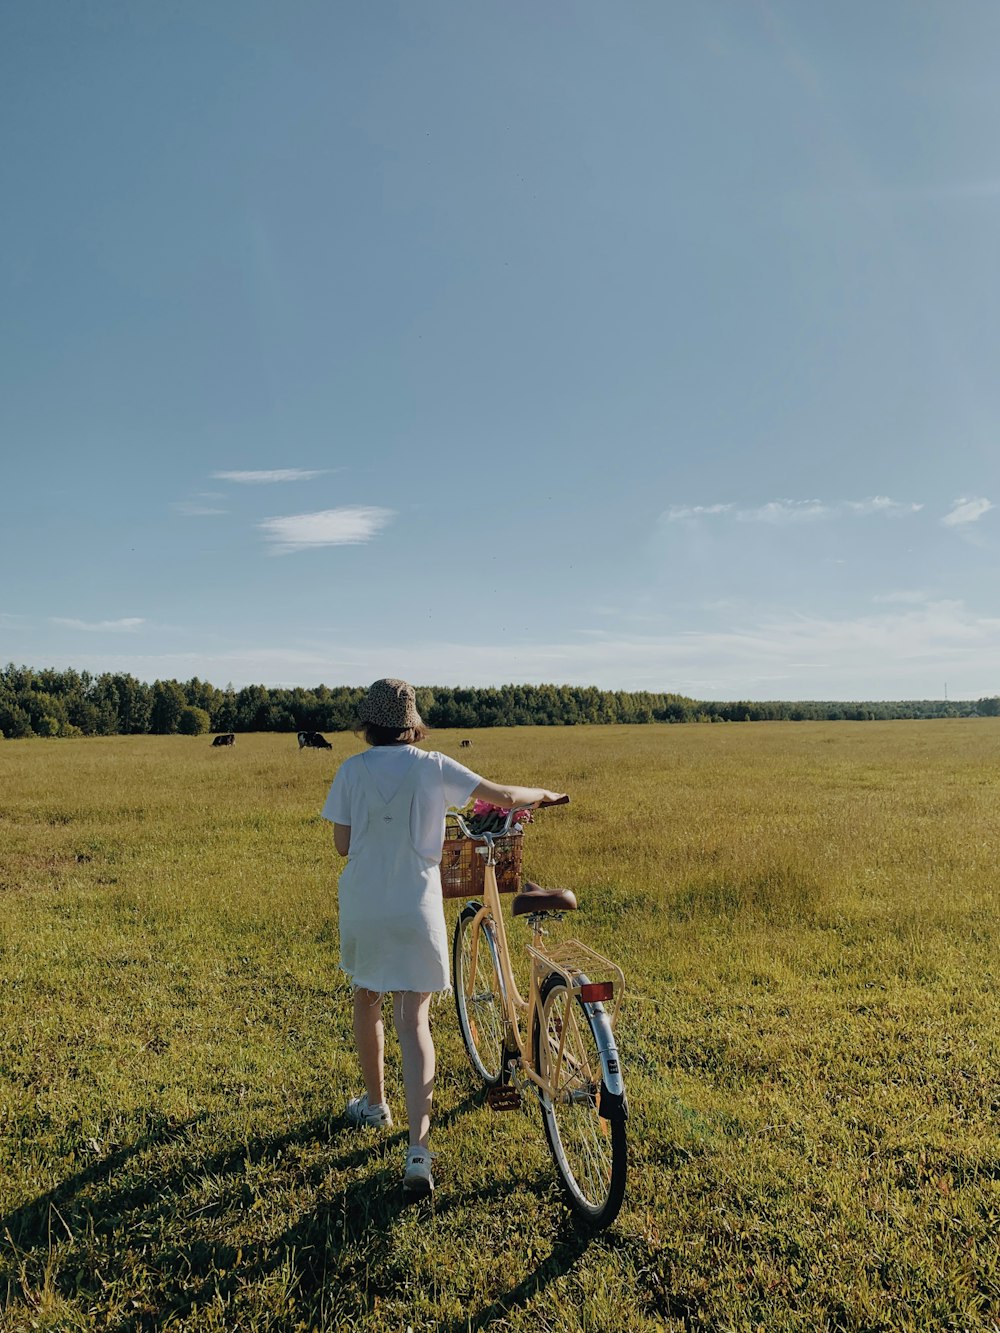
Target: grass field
point(807, 917)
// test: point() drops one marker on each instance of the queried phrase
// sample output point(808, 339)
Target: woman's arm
point(513, 797)
point(342, 838)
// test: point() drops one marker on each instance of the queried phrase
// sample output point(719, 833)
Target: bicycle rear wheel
point(479, 994)
point(584, 1120)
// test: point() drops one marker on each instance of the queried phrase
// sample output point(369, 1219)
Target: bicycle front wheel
point(584, 1120)
point(479, 994)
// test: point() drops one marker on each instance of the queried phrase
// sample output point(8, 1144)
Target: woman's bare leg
point(369, 1037)
point(411, 1011)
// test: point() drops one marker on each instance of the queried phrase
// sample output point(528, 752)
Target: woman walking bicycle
point(387, 806)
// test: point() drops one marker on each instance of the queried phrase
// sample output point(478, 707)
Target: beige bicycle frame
point(513, 1002)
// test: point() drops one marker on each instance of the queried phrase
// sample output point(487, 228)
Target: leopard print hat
point(390, 703)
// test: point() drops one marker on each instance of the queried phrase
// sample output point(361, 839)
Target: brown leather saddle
point(533, 898)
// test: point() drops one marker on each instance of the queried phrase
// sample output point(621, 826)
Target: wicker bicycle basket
point(463, 871)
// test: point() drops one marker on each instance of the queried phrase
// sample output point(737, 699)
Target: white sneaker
point(362, 1115)
point(417, 1178)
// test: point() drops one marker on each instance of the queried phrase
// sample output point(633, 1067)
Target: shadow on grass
point(175, 1221)
point(138, 1211)
point(569, 1247)
point(566, 1253)
point(30, 1224)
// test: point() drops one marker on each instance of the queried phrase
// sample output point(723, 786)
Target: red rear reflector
point(592, 991)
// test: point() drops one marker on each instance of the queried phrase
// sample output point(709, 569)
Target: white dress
point(393, 934)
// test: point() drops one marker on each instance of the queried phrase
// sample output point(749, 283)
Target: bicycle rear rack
point(570, 958)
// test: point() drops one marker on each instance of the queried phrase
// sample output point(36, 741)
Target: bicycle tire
point(479, 999)
point(585, 1121)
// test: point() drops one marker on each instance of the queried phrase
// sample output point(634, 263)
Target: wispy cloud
point(348, 526)
point(906, 653)
point(127, 625)
point(266, 478)
point(779, 512)
point(785, 511)
point(881, 504)
point(677, 512)
point(195, 509)
point(966, 511)
point(903, 597)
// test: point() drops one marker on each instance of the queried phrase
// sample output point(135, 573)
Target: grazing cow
point(312, 740)
point(228, 739)
point(466, 745)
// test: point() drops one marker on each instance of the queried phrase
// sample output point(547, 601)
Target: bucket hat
point(390, 703)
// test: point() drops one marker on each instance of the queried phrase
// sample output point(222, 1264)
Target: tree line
point(51, 702)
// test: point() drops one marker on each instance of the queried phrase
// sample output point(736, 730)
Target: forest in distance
point(53, 702)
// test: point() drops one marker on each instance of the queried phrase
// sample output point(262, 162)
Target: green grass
point(806, 915)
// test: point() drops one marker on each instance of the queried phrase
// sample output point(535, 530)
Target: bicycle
point(565, 1052)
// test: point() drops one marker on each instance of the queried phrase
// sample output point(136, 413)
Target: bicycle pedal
point(503, 1099)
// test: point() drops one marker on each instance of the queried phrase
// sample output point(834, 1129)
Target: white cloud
point(899, 654)
point(881, 504)
point(966, 511)
point(265, 478)
point(796, 511)
point(676, 512)
point(909, 652)
point(127, 625)
point(348, 526)
point(785, 511)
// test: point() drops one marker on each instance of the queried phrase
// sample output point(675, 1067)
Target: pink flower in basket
point(485, 808)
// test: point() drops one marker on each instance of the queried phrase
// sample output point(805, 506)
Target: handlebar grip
point(563, 800)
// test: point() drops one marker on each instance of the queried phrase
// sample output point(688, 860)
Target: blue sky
point(647, 345)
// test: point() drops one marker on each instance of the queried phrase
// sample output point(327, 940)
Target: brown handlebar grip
point(563, 800)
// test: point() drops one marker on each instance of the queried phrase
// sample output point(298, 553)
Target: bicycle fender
point(611, 1069)
point(614, 1105)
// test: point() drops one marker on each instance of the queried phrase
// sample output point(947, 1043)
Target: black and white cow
point(312, 740)
point(228, 739)
point(466, 745)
